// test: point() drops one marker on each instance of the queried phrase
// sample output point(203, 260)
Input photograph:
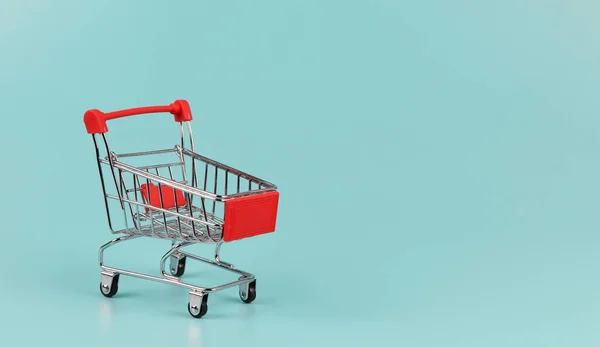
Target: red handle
point(95, 120)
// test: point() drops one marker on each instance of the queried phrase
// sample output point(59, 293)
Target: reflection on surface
point(106, 315)
point(106, 318)
point(106, 331)
point(246, 311)
point(194, 334)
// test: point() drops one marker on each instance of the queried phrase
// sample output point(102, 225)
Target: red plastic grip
point(95, 120)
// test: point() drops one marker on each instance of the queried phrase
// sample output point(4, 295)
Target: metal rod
point(166, 182)
point(214, 263)
point(205, 174)
point(176, 203)
point(189, 126)
point(148, 208)
point(182, 134)
point(158, 166)
point(162, 204)
point(98, 160)
point(205, 216)
point(175, 280)
point(214, 203)
point(112, 243)
point(190, 218)
point(112, 169)
point(226, 167)
point(137, 207)
point(125, 191)
point(135, 154)
point(246, 277)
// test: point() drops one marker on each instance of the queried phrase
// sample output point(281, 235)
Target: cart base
point(198, 295)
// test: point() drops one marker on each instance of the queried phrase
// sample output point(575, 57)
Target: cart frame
point(171, 214)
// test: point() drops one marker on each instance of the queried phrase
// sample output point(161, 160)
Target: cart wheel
point(178, 267)
point(109, 290)
point(248, 292)
point(198, 312)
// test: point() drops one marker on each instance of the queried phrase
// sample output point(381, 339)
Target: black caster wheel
point(178, 268)
point(248, 292)
point(109, 290)
point(198, 311)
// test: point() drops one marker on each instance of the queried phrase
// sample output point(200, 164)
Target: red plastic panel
point(250, 216)
point(168, 196)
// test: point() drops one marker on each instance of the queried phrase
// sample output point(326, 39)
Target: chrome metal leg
point(218, 260)
point(197, 306)
point(174, 248)
point(112, 243)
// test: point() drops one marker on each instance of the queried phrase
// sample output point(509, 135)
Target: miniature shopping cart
point(183, 197)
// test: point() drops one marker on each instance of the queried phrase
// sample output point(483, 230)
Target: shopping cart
point(187, 199)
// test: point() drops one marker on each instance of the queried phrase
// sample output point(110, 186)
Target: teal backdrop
point(437, 163)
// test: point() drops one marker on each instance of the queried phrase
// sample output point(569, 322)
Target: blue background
point(437, 163)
